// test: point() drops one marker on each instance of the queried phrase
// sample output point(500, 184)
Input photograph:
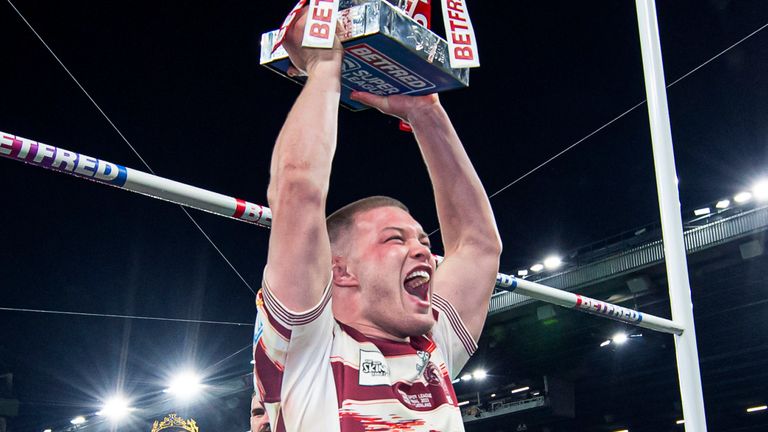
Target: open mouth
point(417, 284)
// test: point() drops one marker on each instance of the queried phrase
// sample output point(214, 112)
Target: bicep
point(466, 279)
point(299, 256)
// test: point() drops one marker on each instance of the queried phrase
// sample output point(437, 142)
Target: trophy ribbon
point(287, 23)
point(460, 34)
point(419, 10)
point(321, 24)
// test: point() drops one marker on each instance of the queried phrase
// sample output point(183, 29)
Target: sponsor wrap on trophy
point(388, 46)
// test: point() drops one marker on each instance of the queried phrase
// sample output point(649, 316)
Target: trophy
point(388, 48)
point(175, 423)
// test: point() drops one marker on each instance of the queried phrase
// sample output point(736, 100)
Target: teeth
point(416, 279)
point(418, 273)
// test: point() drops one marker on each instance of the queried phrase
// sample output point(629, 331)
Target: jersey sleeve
point(291, 352)
point(451, 335)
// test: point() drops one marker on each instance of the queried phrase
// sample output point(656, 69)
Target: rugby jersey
point(317, 374)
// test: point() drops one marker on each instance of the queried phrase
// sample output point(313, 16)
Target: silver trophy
point(386, 53)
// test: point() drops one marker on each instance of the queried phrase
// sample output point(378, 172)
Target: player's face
point(391, 258)
point(259, 419)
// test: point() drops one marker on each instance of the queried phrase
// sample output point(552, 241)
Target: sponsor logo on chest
point(373, 369)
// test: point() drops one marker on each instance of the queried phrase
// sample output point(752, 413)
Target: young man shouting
point(358, 329)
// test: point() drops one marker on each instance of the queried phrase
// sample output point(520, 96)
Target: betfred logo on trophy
point(461, 35)
point(387, 50)
point(408, 80)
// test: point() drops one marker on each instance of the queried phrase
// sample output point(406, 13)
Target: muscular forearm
point(471, 241)
point(306, 144)
point(465, 214)
point(299, 250)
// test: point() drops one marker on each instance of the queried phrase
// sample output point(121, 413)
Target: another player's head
point(382, 268)
point(259, 418)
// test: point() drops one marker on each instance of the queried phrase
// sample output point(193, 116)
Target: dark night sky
point(181, 80)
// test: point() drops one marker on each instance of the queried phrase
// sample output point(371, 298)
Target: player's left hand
point(400, 106)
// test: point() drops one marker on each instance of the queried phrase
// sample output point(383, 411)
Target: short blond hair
point(339, 221)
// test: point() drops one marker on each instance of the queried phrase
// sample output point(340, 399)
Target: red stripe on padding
point(240, 210)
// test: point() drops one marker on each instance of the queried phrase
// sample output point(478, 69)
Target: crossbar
point(108, 173)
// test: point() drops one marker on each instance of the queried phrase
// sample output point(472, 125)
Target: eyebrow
point(421, 233)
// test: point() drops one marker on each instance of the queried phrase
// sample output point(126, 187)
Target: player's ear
point(341, 275)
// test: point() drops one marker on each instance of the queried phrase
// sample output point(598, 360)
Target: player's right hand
point(307, 60)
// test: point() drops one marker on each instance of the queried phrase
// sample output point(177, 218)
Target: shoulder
point(449, 325)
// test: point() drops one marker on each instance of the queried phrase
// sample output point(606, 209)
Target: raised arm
point(299, 258)
point(472, 245)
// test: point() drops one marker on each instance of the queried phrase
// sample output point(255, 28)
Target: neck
point(371, 331)
point(347, 310)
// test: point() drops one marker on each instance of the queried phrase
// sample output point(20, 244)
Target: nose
point(419, 251)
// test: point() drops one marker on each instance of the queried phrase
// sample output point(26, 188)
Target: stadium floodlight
point(186, 385)
point(723, 204)
point(605, 343)
point(760, 190)
point(702, 211)
point(479, 374)
point(619, 338)
point(553, 262)
point(78, 420)
point(521, 389)
point(116, 408)
point(466, 377)
point(757, 408)
point(48, 430)
point(680, 422)
point(537, 267)
point(742, 197)
point(522, 273)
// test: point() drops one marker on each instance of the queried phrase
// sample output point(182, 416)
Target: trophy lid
point(175, 423)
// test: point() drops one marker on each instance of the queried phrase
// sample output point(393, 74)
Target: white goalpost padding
point(79, 165)
point(671, 221)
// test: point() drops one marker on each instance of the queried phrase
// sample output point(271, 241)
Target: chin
point(419, 326)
